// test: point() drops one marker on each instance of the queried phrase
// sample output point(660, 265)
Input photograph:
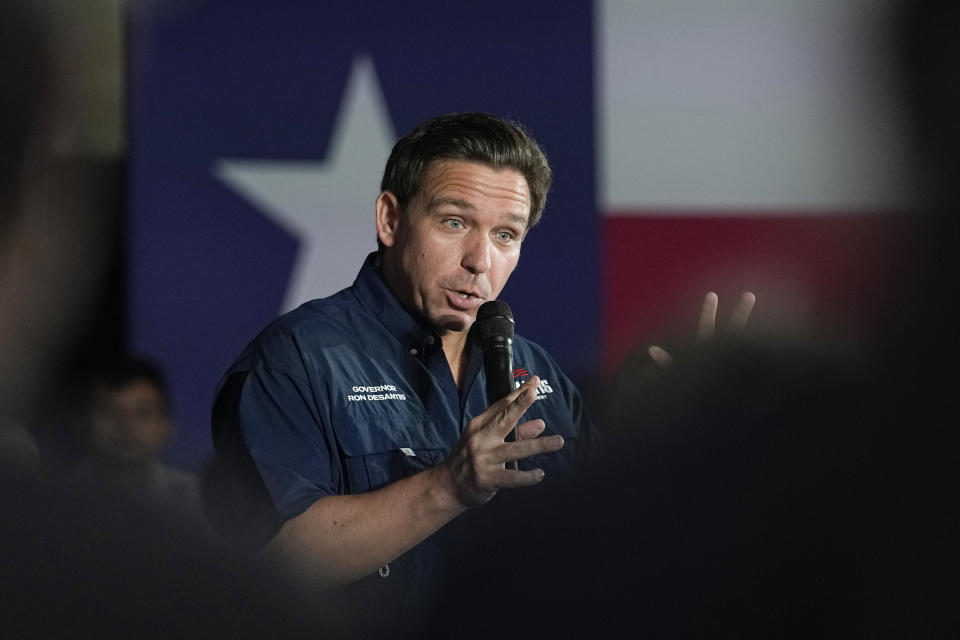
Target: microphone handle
point(498, 366)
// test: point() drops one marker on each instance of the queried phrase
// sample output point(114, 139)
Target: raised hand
point(478, 464)
point(706, 325)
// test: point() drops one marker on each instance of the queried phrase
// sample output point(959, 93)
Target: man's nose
point(476, 253)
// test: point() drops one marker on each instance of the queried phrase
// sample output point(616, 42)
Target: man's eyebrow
point(521, 220)
point(456, 202)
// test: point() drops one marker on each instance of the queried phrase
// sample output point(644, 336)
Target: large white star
point(327, 205)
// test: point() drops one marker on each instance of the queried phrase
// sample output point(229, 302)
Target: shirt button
point(413, 352)
point(429, 340)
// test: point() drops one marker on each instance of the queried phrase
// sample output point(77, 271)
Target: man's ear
point(388, 218)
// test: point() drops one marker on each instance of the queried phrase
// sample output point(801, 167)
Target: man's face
point(130, 423)
point(458, 241)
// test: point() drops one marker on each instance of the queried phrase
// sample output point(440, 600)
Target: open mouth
point(463, 299)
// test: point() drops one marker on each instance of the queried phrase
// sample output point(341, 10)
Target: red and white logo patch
point(521, 375)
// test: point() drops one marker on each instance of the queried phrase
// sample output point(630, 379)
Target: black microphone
point(495, 328)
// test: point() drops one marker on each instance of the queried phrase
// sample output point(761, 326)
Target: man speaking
point(356, 426)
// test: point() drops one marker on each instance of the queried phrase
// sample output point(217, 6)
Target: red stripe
point(808, 272)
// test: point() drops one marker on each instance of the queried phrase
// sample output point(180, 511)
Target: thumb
point(660, 356)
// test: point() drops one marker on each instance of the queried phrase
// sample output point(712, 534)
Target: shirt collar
point(373, 293)
point(412, 331)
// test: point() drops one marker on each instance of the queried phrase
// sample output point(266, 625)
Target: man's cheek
point(507, 271)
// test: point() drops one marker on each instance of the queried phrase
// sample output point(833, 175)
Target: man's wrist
point(443, 490)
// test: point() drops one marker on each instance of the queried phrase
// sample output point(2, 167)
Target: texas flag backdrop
point(695, 147)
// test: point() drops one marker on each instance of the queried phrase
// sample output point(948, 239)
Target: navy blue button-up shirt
point(349, 393)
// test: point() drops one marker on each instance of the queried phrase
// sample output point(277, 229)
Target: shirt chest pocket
point(379, 452)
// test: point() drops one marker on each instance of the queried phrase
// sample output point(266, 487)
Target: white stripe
point(746, 105)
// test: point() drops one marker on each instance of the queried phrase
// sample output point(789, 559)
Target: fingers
point(531, 429)
point(508, 476)
point(482, 462)
point(706, 325)
point(514, 479)
point(741, 313)
point(520, 449)
point(708, 317)
point(527, 443)
point(660, 356)
point(507, 412)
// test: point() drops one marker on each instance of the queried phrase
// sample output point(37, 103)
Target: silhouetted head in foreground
point(768, 489)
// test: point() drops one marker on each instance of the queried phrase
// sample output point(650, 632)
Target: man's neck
point(454, 342)
point(455, 348)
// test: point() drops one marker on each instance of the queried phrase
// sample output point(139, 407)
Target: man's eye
point(505, 236)
point(453, 223)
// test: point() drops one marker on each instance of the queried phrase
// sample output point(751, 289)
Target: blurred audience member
point(754, 489)
point(75, 562)
point(19, 112)
point(19, 449)
point(129, 426)
point(57, 215)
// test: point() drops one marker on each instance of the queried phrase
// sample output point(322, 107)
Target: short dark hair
point(474, 137)
point(119, 372)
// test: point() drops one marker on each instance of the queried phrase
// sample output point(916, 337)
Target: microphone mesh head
point(495, 319)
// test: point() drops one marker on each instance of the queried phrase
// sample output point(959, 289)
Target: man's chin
point(453, 322)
